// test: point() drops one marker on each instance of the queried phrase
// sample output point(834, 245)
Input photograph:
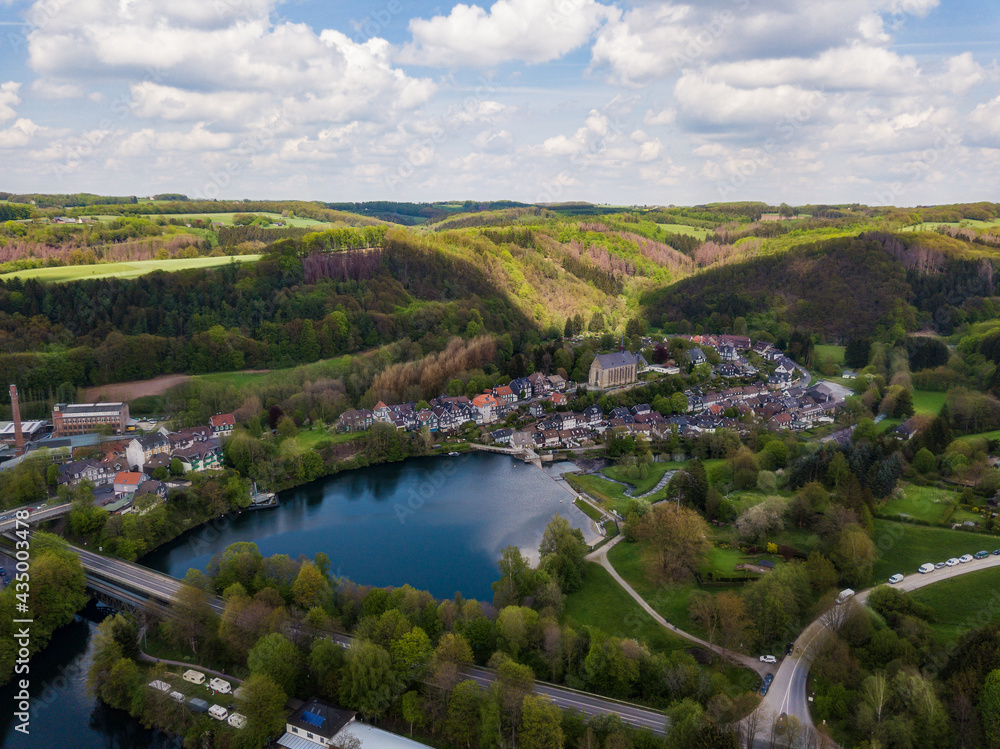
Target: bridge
point(134, 588)
point(524, 453)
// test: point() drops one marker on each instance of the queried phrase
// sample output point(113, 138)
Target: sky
point(881, 102)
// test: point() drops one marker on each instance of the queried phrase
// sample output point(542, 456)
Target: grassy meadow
point(124, 270)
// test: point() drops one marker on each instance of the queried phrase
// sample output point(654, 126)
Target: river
point(63, 714)
point(437, 523)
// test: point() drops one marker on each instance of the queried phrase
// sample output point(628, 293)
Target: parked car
point(996, 553)
point(982, 554)
point(965, 558)
point(939, 565)
point(768, 659)
point(952, 562)
point(768, 678)
point(897, 578)
point(789, 648)
point(925, 568)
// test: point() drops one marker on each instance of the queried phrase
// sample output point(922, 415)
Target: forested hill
point(850, 287)
point(289, 308)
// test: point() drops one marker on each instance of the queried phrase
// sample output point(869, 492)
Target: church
point(612, 370)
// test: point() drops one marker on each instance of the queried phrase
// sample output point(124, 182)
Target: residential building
point(127, 482)
point(80, 418)
point(696, 356)
point(141, 449)
point(222, 424)
point(504, 393)
point(314, 724)
point(486, 405)
point(355, 421)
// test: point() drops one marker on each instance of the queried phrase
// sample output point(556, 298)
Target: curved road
point(788, 691)
point(601, 557)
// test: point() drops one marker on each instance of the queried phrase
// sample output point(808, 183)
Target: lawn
point(600, 602)
point(656, 471)
point(925, 503)
point(962, 603)
point(671, 601)
point(834, 352)
point(307, 439)
point(335, 367)
point(928, 401)
point(995, 435)
point(691, 231)
point(904, 547)
point(124, 270)
point(611, 496)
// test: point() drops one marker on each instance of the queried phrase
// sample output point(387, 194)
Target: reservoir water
point(63, 714)
point(438, 523)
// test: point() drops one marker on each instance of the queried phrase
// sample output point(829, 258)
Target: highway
point(788, 692)
point(126, 575)
point(46, 513)
point(590, 704)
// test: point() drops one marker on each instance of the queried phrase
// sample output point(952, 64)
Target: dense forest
point(262, 315)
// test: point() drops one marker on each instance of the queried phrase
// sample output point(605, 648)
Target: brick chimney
point(18, 434)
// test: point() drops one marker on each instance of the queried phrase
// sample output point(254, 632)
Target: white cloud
point(20, 134)
point(184, 56)
point(8, 100)
point(47, 88)
point(532, 31)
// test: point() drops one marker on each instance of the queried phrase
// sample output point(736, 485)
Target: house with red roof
point(222, 424)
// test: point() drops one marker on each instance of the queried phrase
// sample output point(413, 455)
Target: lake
point(436, 523)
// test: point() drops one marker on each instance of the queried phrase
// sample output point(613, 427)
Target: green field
point(124, 270)
point(904, 547)
point(668, 600)
point(973, 223)
point(327, 367)
point(600, 602)
point(834, 352)
point(995, 435)
point(307, 439)
point(691, 231)
point(925, 503)
point(928, 401)
point(226, 218)
point(656, 471)
point(962, 603)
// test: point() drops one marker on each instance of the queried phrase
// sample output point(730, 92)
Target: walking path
point(601, 557)
point(221, 674)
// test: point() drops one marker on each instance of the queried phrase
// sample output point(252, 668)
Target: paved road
point(601, 557)
point(166, 586)
point(46, 513)
point(635, 715)
point(788, 693)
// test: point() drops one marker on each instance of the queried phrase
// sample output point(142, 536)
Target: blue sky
point(871, 101)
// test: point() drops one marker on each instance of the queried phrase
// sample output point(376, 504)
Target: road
point(590, 704)
point(166, 587)
point(46, 513)
point(601, 557)
point(788, 692)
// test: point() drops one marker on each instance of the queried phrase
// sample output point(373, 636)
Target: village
point(534, 412)
point(128, 470)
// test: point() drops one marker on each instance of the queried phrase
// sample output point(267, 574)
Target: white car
point(768, 659)
point(925, 568)
point(895, 579)
point(965, 558)
point(952, 562)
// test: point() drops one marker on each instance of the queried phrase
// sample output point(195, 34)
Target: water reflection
point(436, 523)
